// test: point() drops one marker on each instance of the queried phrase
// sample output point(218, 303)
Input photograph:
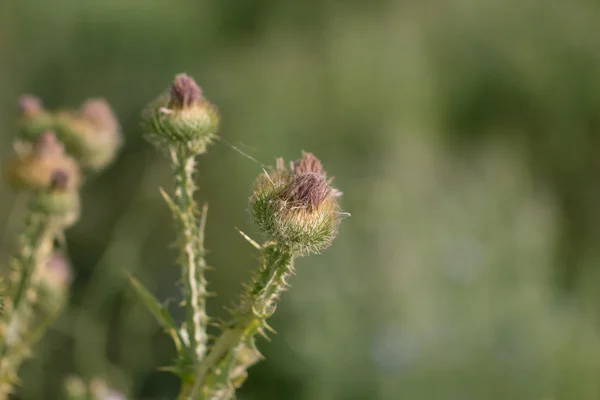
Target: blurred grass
point(463, 133)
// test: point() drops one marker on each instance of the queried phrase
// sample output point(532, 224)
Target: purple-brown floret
point(184, 92)
point(307, 190)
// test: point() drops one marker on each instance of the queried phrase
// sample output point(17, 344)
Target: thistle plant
point(296, 208)
point(50, 172)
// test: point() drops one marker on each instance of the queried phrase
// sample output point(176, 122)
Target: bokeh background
point(464, 134)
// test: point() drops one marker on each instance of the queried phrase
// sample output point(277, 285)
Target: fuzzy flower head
point(297, 207)
point(181, 118)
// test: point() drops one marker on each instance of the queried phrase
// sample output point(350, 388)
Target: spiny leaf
point(159, 311)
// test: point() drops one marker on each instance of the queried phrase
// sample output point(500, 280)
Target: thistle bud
point(54, 279)
point(60, 200)
point(92, 134)
point(297, 207)
point(29, 106)
point(35, 164)
point(33, 118)
point(182, 117)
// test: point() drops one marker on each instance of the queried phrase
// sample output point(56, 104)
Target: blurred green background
point(464, 134)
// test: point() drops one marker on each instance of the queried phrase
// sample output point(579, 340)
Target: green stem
point(191, 248)
point(34, 247)
point(229, 356)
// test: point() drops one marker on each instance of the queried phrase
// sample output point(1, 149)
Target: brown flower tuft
point(184, 92)
point(307, 164)
point(307, 191)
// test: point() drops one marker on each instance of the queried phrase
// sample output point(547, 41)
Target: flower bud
point(54, 279)
point(92, 134)
point(297, 207)
point(35, 163)
point(60, 200)
point(181, 118)
point(33, 119)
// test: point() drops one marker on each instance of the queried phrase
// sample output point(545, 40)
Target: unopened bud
point(297, 207)
point(54, 279)
point(29, 105)
point(33, 118)
point(92, 135)
point(35, 164)
point(60, 200)
point(182, 117)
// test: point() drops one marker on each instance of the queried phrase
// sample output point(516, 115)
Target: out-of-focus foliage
point(464, 134)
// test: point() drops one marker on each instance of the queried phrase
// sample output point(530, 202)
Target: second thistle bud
point(35, 164)
point(297, 207)
point(60, 200)
point(182, 117)
point(54, 279)
point(92, 133)
point(33, 118)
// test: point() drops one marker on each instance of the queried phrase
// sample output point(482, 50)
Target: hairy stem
point(224, 368)
point(191, 248)
point(34, 247)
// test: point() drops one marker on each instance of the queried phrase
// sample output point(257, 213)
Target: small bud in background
point(92, 134)
point(297, 208)
point(35, 163)
point(182, 118)
point(61, 199)
point(54, 280)
point(29, 106)
point(33, 118)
